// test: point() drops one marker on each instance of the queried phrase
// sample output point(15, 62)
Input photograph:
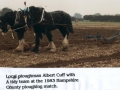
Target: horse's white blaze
point(65, 42)
point(21, 45)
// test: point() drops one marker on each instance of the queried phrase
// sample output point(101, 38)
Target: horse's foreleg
point(20, 46)
point(37, 43)
point(51, 46)
point(65, 43)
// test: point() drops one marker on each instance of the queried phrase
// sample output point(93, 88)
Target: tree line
point(4, 10)
point(102, 18)
point(96, 17)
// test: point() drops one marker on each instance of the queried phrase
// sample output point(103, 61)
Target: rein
point(17, 17)
point(19, 28)
point(15, 30)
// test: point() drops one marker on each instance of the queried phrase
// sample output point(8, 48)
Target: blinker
point(25, 10)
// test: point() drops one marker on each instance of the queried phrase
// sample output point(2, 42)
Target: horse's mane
point(35, 7)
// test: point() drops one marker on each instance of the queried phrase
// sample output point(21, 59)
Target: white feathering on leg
point(20, 46)
point(65, 42)
point(53, 47)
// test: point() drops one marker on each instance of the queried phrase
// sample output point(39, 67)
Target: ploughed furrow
point(60, 63)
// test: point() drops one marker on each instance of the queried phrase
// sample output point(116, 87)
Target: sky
point(84, 7)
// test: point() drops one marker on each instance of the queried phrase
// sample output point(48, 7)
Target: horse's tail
point(68, 23)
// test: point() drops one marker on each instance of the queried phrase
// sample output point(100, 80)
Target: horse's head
point(32, 15)
point(3, 25)
point(27, 17)
point(13, 19)
point(7, 21)
point(18, 20)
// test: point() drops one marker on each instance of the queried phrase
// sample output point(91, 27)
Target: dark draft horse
point(45, 22)
point(15, 20)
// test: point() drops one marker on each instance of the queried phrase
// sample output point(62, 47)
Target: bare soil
point(81, 53)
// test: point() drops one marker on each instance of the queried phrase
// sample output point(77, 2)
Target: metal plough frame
point(99, 37)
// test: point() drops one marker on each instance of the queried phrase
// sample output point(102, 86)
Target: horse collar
point(52, 19)
point(42, 17)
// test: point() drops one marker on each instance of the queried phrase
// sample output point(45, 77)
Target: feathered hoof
point(19, 49)
point(52, 50)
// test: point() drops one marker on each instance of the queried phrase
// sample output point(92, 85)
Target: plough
point(102, 39)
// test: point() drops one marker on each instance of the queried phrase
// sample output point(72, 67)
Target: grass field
point(86, 24)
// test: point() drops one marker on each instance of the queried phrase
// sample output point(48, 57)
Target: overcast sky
point(84, 7)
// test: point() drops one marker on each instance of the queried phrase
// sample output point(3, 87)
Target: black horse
point(16, 22)
point(45, 22)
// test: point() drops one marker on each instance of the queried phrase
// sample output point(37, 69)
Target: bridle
point(29, 15)
point(17, 18)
